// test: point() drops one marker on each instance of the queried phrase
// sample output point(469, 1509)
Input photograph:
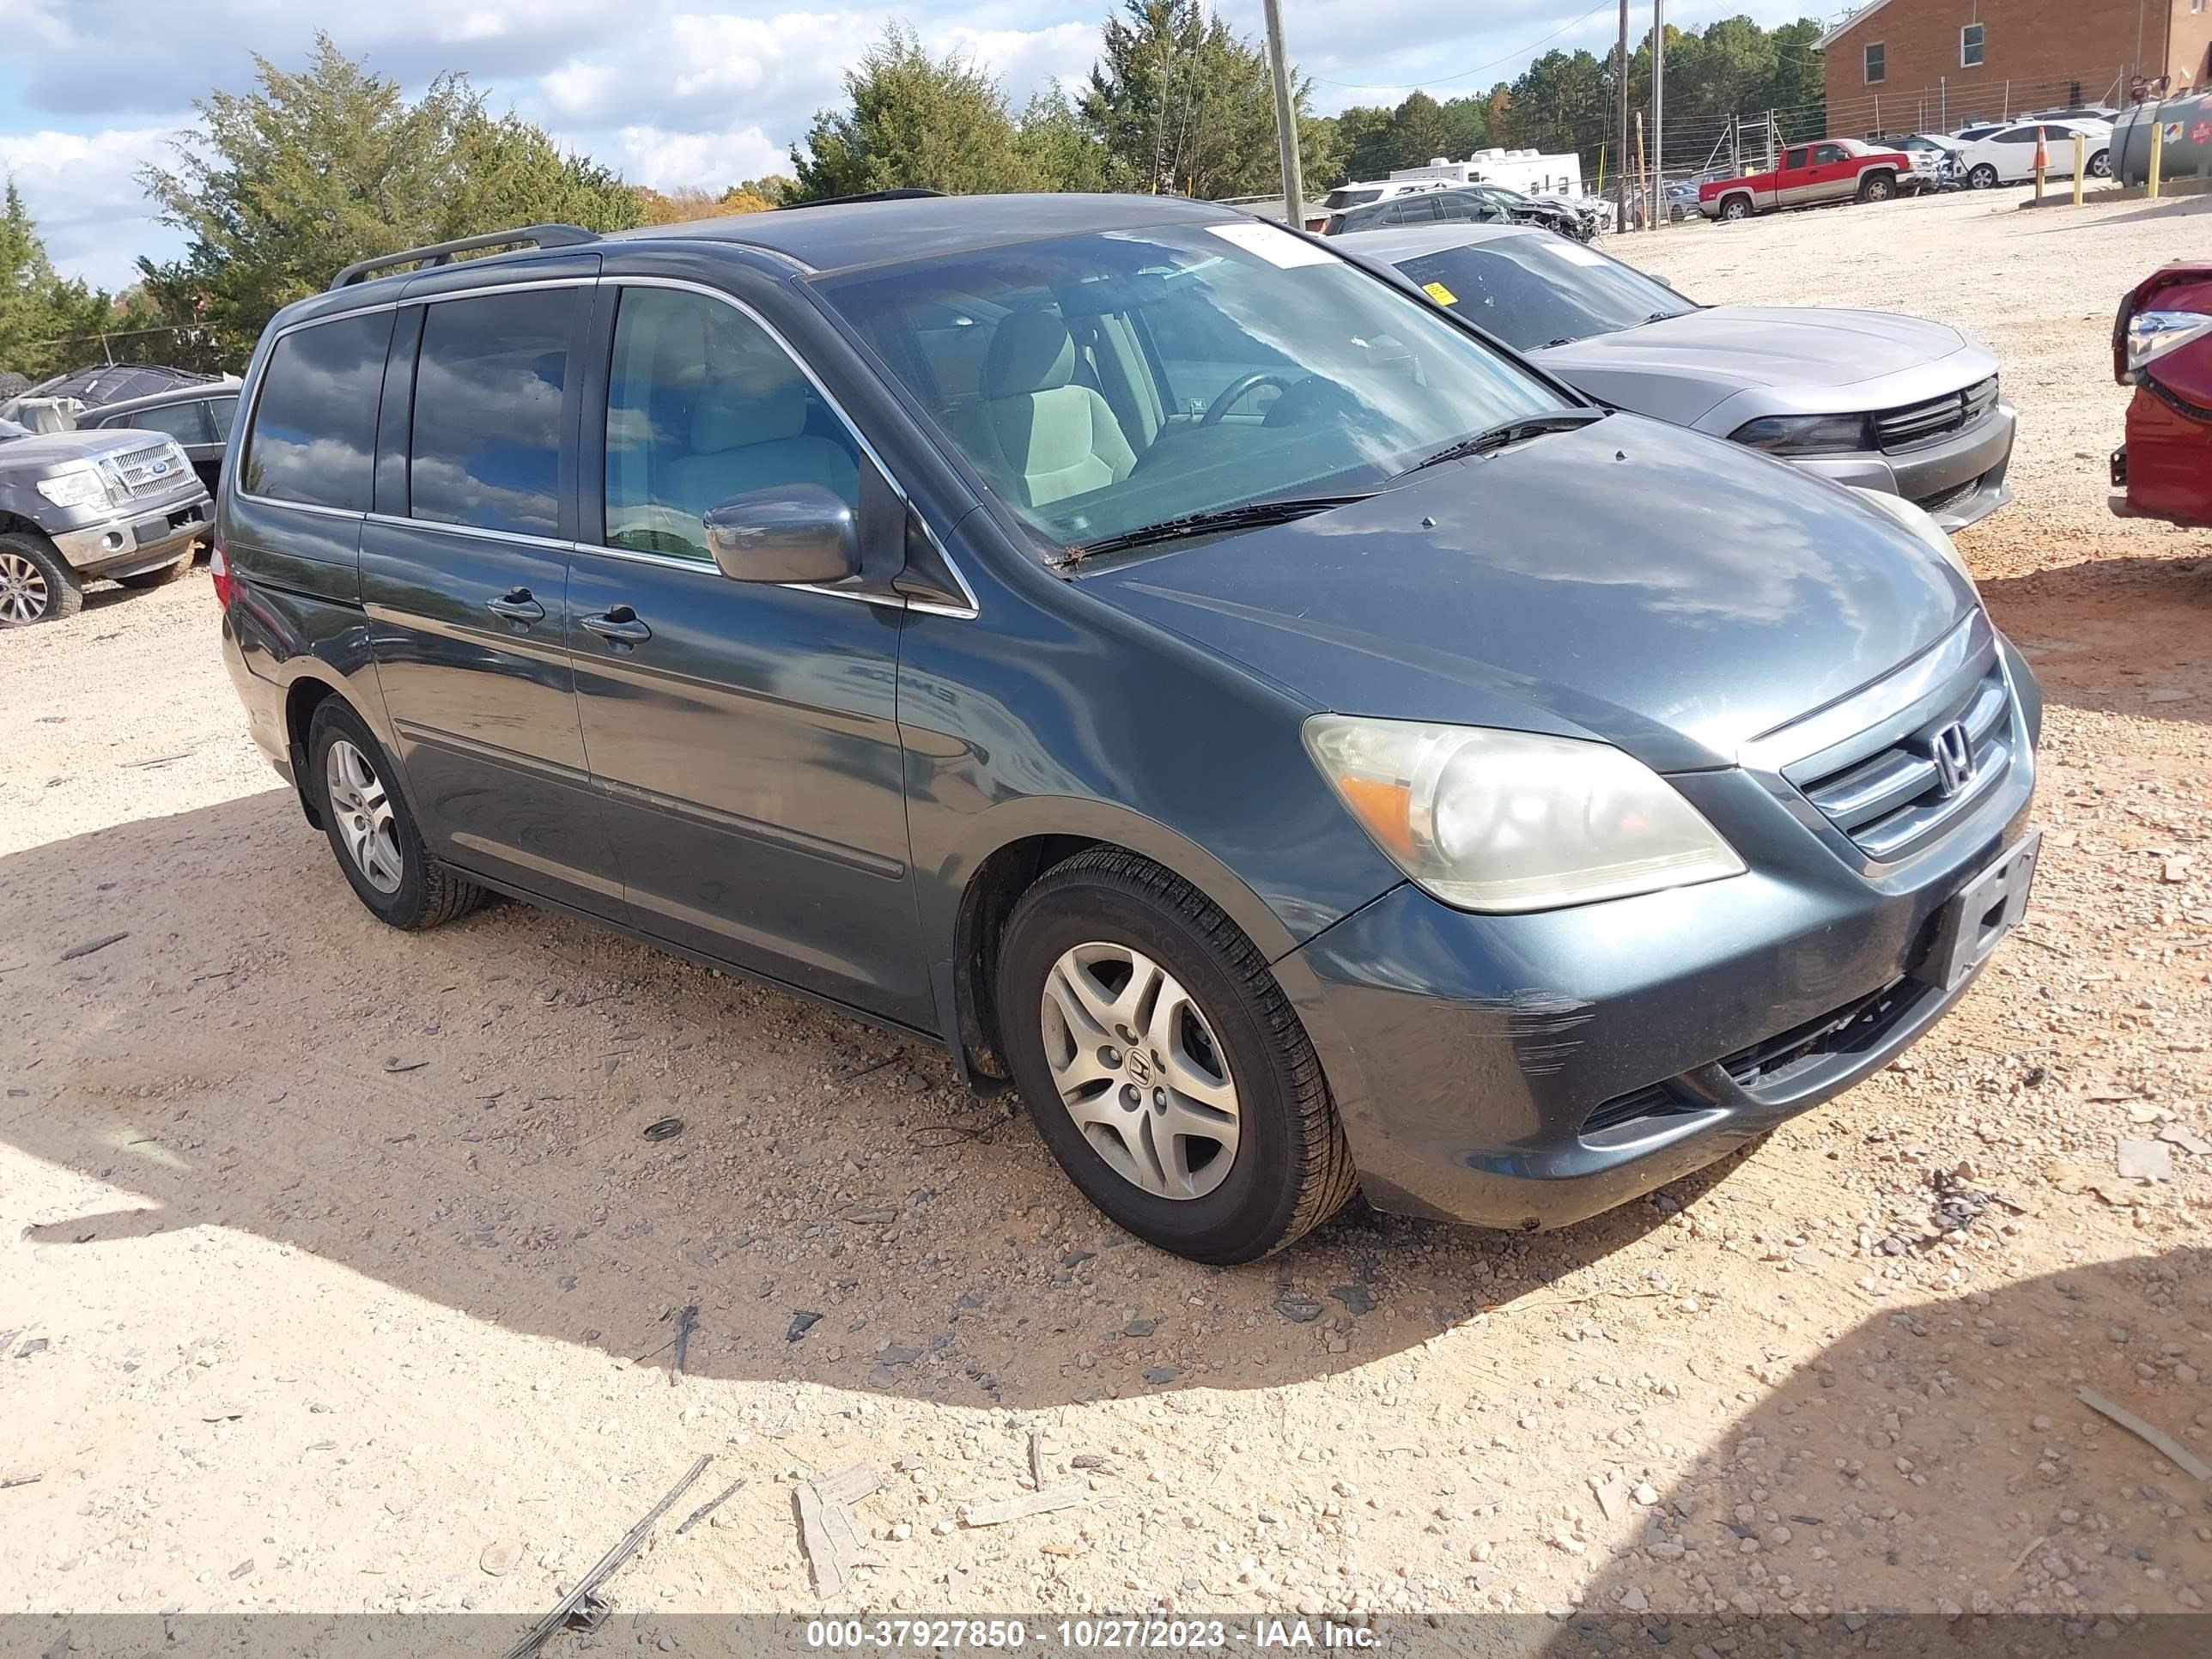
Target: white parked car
point(2007, 157)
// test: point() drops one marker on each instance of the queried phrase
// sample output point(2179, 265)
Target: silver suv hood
point(1810, 359)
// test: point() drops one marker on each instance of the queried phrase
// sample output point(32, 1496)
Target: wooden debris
point(826, 1532)
point(709, 1506)
point(1037, 1461)
point(90, 945)
point(2187, 1460)
point(1029, 1503)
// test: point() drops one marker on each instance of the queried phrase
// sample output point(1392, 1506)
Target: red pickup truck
point(1833, 170)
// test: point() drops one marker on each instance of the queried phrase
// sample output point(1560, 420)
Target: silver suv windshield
point(1106, 383)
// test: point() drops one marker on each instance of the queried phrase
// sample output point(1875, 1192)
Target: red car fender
point(2165, 467)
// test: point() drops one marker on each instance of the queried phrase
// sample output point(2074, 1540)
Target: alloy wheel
point(362, 806)
point(24, 596)
point(1139, 1071)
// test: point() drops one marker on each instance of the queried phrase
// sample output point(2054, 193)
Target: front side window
point(702, 405)
point(314, 434)
point(1970, 46)
point(486, 450)
point(1537, 291)
point(1320, 377)
point(1877, 64)
point(2017, 135)
point(1824, 153)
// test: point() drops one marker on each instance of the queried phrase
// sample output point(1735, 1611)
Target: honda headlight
point(1804, 435)
point(79, 486)
point(2153, 334)
point(1511, 821)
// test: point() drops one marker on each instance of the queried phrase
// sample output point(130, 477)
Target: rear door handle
point(517, 607)
point(620, 626)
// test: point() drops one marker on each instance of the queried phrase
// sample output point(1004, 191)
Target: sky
point(670, 92)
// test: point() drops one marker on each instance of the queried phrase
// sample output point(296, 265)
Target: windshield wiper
point(1251, 515)
point(1508, 432)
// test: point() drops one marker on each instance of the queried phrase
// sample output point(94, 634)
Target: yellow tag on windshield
point(1439, 293)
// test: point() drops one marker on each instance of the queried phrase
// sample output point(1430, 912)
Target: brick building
point(1933, 65)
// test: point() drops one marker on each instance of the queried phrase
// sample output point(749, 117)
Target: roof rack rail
point(441, 253)
point(905, 193)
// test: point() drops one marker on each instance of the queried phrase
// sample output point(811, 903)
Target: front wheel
point(36, 584)
point(1879, 188)
point(1166, 1070)
point(371, 830)
point(1982, 178)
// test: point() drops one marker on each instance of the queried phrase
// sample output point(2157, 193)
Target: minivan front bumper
point(1527, 1071)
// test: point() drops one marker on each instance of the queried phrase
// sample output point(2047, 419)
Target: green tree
point(278, 187)
point(1180, 102)
point(47, 322)
point(1417, 135)
point(912, 120)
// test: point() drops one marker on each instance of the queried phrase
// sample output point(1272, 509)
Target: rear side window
point(487, 431)
point(313, 437)
point(221, 411)
point(186, 422)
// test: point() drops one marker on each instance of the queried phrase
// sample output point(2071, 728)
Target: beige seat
point(744, 439)
point(1051, 438)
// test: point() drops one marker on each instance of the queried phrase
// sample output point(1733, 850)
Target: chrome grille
point(1902, 795)
point(136, 468)
point(1900, 429)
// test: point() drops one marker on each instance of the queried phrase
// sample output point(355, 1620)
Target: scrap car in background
point(1866, 398)
point(197, 414)
point(1812, 175)
point(2162, 347)
point(2006, 156)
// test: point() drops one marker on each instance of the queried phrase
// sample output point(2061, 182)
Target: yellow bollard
point(2042, 165)
point(2157, 144)
point(2081, 161)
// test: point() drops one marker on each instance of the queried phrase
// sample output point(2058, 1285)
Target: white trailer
point(1529, 171)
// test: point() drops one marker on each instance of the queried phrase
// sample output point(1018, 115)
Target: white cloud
point(83, 194)
point(702, 161)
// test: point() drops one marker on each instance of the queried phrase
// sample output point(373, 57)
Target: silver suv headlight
point(1510, 821)
point(75, 486)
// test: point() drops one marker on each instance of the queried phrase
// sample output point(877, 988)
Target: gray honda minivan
point(1299, 746)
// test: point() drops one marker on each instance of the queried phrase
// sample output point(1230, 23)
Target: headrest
point(731, 415)
point(1031, 352)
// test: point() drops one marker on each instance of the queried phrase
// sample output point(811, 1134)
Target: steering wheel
point(1236, 390)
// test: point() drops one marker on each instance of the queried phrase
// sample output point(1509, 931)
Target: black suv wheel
point(371, 830)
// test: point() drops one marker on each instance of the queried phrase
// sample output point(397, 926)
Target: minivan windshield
point(1105, 383)
point(1542, 290)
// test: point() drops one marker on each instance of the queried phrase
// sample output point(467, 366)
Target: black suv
point(1297, 742)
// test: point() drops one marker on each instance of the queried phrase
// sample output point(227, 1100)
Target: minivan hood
point(1667, 593)
point(1704, 356)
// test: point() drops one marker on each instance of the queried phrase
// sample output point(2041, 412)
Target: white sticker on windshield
point(1273, 243)
point(1575, 253)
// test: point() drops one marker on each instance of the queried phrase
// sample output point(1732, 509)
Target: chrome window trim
point(552, 543)
point(683, 285)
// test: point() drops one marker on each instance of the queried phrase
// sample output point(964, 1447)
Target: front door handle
point(517, 606)
point(619, 626)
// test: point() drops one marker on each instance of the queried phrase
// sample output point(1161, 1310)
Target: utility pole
point(1286, 117)
point(1659, 111)
point(1620, 182)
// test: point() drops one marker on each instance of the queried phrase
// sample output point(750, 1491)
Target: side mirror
point(790, 533)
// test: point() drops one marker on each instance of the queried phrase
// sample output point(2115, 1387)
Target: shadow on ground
point(1936, 1461)
point(2121, 635)
point(460, 1115)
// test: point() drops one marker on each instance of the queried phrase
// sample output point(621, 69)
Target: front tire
point(1880, 187)
point(1982, 178)
point(371, 832)
point(36, 583)
point(1166, 1070)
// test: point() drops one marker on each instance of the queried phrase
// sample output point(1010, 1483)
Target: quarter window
point(221, 411)
point(314, 434)
point(1877, 64)
point(487, 430)
point(1970, 46)
point(703, 404)
point(186, 422)
point(1795, 158)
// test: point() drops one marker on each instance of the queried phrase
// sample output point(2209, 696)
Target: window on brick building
point(1970, 46)
point(1877, 65)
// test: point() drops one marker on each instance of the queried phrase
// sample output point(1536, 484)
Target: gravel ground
point(338, 1275)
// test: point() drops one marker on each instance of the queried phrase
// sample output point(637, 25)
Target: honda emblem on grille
point(1952, 751)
